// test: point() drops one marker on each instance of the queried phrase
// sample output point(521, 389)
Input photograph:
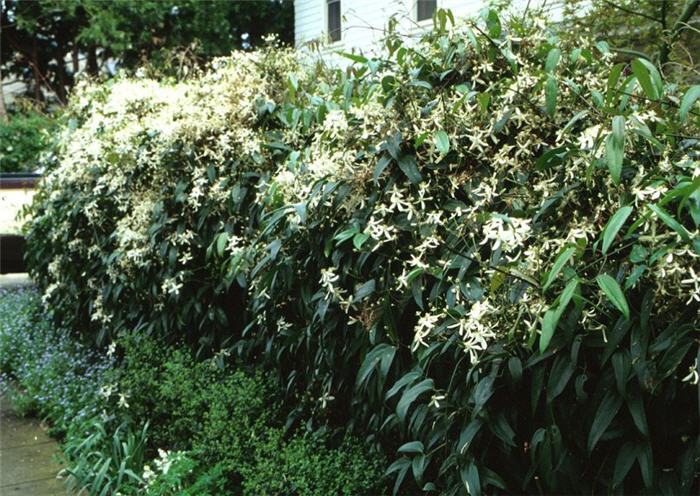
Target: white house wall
point(363, 21)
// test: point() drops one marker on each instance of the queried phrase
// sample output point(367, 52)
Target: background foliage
point(24, 138)
point(37, 35)
point(494, 216)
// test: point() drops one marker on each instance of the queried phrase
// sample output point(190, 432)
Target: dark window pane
point(426, 9)
point(334, 20)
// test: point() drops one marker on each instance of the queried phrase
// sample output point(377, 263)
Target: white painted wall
point(363, 21)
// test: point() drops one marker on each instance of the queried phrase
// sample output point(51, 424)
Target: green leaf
point(623, 463)
point(549, 324)
point(418, 466)
point(559, 263)
point(670, 222)
point(613, 226)
point(359, 239)
point(410, 395)
point(382, 353)
point(408, 165)
point(614, 293)
point(552, 60)
point(615, 148)
point(221, 243)
point(689, 99)
point(382, 164)
point(613, 78)
point(551, 91)
point(364, 290)
point(552, 316)
point(607, 410)
point(482, 393)
point(562, 370)
point(442, 142)
point(345, 235)
point(580, 115)
point(468, 433)
point(412, 447)
point(355, 58)
point(470, 479)
point(635, 404)
point(646, 464)
point(648, 80)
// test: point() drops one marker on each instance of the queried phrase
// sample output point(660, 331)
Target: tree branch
point(630, 11)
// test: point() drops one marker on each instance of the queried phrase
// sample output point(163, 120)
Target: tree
point(39, 35)
point(663, 31)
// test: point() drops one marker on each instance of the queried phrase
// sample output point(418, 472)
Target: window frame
point(417, 11)
point(330, 33)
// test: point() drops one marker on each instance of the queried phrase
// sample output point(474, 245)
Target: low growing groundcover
point(145, 418)
point(478, 251)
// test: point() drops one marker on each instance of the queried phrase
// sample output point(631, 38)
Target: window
point(334, 20)
point(425, 9)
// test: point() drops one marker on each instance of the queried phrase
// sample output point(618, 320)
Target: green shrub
point(305, 466)
point(23, 139)
point(414, 244)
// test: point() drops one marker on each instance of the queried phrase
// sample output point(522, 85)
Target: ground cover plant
point(479, 251)
point(143, 418)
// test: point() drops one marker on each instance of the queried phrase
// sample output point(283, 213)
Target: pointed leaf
point(412, 447)
point(644, 77)
point(688, 100)
point(408, 165)
point(613, 226)
point(380, 353)
point(468, 433)
point(442, 142)
point(623, 463)
point(670, 222)
point(615, 148)
point(552, 60)
point(559, 263)
point(614, 293)
point(551, 92)
point(410, 395)
point(604, 416)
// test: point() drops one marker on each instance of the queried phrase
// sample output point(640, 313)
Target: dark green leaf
point(411, 394)
point(470, 479)
point(381, 353)
point(689, 99)
point(670, 222)
point(614, 293)
point(623, 463)
point(551, 93)
point(559, 263)
point(648, 78)
point(412, 447)
point(615, 148)
point(607, 410)
point(408, 165)
point(614, 225)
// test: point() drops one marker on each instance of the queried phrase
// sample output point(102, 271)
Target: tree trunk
point(3, 109)
point(688, 10)
point(76, 60)
point(92, 60)
point(37, 73)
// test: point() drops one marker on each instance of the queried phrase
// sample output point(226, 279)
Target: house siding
point(363, 21)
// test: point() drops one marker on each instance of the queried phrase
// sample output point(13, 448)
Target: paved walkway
point(8, 281)
point(27, 464)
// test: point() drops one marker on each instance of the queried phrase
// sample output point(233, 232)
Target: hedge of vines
point(479, 250)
